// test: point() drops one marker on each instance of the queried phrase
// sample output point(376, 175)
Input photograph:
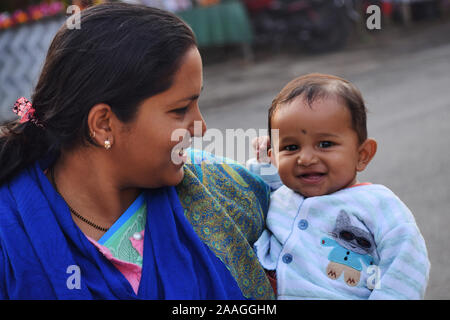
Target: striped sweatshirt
point(360, 242)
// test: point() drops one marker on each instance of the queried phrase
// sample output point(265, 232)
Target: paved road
point(404, 75)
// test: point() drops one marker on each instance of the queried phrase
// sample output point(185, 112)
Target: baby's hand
point(260, 147)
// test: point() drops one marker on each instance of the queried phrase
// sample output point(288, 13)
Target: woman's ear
point(100, 121)
point(366, 152)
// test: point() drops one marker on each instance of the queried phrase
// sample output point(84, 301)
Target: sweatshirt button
point(303, 224)
point(287, 258)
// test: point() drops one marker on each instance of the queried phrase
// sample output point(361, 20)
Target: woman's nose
point(198, 125)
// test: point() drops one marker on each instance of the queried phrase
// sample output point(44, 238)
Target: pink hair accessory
point(24, 109)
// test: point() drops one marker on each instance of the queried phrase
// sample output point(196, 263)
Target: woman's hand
point(260, 147)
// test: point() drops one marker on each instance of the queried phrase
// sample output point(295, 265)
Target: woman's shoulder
point(7, 202)
point(20, 193)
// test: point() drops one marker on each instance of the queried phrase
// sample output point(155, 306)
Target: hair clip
point(24, 109)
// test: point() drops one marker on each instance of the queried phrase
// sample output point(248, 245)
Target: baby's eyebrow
point(287, 138)
point(327, 134)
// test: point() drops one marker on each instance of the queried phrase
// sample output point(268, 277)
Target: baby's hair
point(318, 86)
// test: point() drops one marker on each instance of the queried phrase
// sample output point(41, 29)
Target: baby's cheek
point(284, 166)
point(289, 181)
point(284, 174)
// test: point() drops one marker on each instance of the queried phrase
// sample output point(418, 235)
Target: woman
point(92, 205)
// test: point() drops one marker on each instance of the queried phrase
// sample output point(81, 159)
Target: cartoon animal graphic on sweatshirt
point(351, 245)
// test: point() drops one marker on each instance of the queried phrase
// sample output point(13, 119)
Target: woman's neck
point(87, 184)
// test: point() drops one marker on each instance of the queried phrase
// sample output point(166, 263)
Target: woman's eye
point(291, 147)
point(325, 144)
point(181, 110)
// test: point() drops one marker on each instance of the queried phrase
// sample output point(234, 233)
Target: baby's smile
point(312, 177)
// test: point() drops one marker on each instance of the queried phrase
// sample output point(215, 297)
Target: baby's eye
point(325, 144)
point(291, 147)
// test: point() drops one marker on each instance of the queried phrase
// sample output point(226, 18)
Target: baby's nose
point(306, 159)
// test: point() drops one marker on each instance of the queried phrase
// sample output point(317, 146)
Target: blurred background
point(397, 54)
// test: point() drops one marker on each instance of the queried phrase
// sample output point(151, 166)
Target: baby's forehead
point(325, 105)
point(324, 113)
point(306, 94)
point(318, 102)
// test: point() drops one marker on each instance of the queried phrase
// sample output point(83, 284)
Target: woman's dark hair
point(121, 55)
point(316, 86)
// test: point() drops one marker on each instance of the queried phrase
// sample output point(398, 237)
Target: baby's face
point(317, 151)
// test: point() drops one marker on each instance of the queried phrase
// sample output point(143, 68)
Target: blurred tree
point(13, 5)
point(83, 4)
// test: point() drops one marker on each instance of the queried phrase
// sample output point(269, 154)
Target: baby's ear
point(272, 157)
point(366, 152)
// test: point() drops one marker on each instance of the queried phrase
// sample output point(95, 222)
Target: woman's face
point(144, 148)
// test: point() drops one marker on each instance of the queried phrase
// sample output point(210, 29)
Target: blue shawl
point(40, 246)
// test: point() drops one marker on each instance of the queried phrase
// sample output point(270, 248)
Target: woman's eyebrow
point(192, 98)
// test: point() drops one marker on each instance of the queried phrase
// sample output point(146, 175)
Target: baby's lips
point(311, 177)
point(311, 173)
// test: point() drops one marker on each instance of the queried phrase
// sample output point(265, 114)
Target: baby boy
point(328, 235)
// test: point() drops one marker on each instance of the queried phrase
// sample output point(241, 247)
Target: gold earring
point(107, 144)
point(93, 134)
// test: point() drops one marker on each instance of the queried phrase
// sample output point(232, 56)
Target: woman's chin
point(171, 179)
point(180, 177)
point(176, 177)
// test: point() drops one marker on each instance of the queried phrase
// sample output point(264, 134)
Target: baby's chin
point(308, 193)
point(316, 188)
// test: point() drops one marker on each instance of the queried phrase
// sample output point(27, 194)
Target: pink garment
point(132, 272)
point(360, 184)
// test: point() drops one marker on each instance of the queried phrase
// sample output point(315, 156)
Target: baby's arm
point(266, 171)
point(261, 165)
point(403, 264)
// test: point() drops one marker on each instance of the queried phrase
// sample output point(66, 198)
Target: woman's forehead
point(188, 80)
point(187, 83)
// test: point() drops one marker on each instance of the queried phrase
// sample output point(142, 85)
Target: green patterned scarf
point(226, 206)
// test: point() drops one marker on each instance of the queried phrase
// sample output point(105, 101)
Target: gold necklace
point(76, 214)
